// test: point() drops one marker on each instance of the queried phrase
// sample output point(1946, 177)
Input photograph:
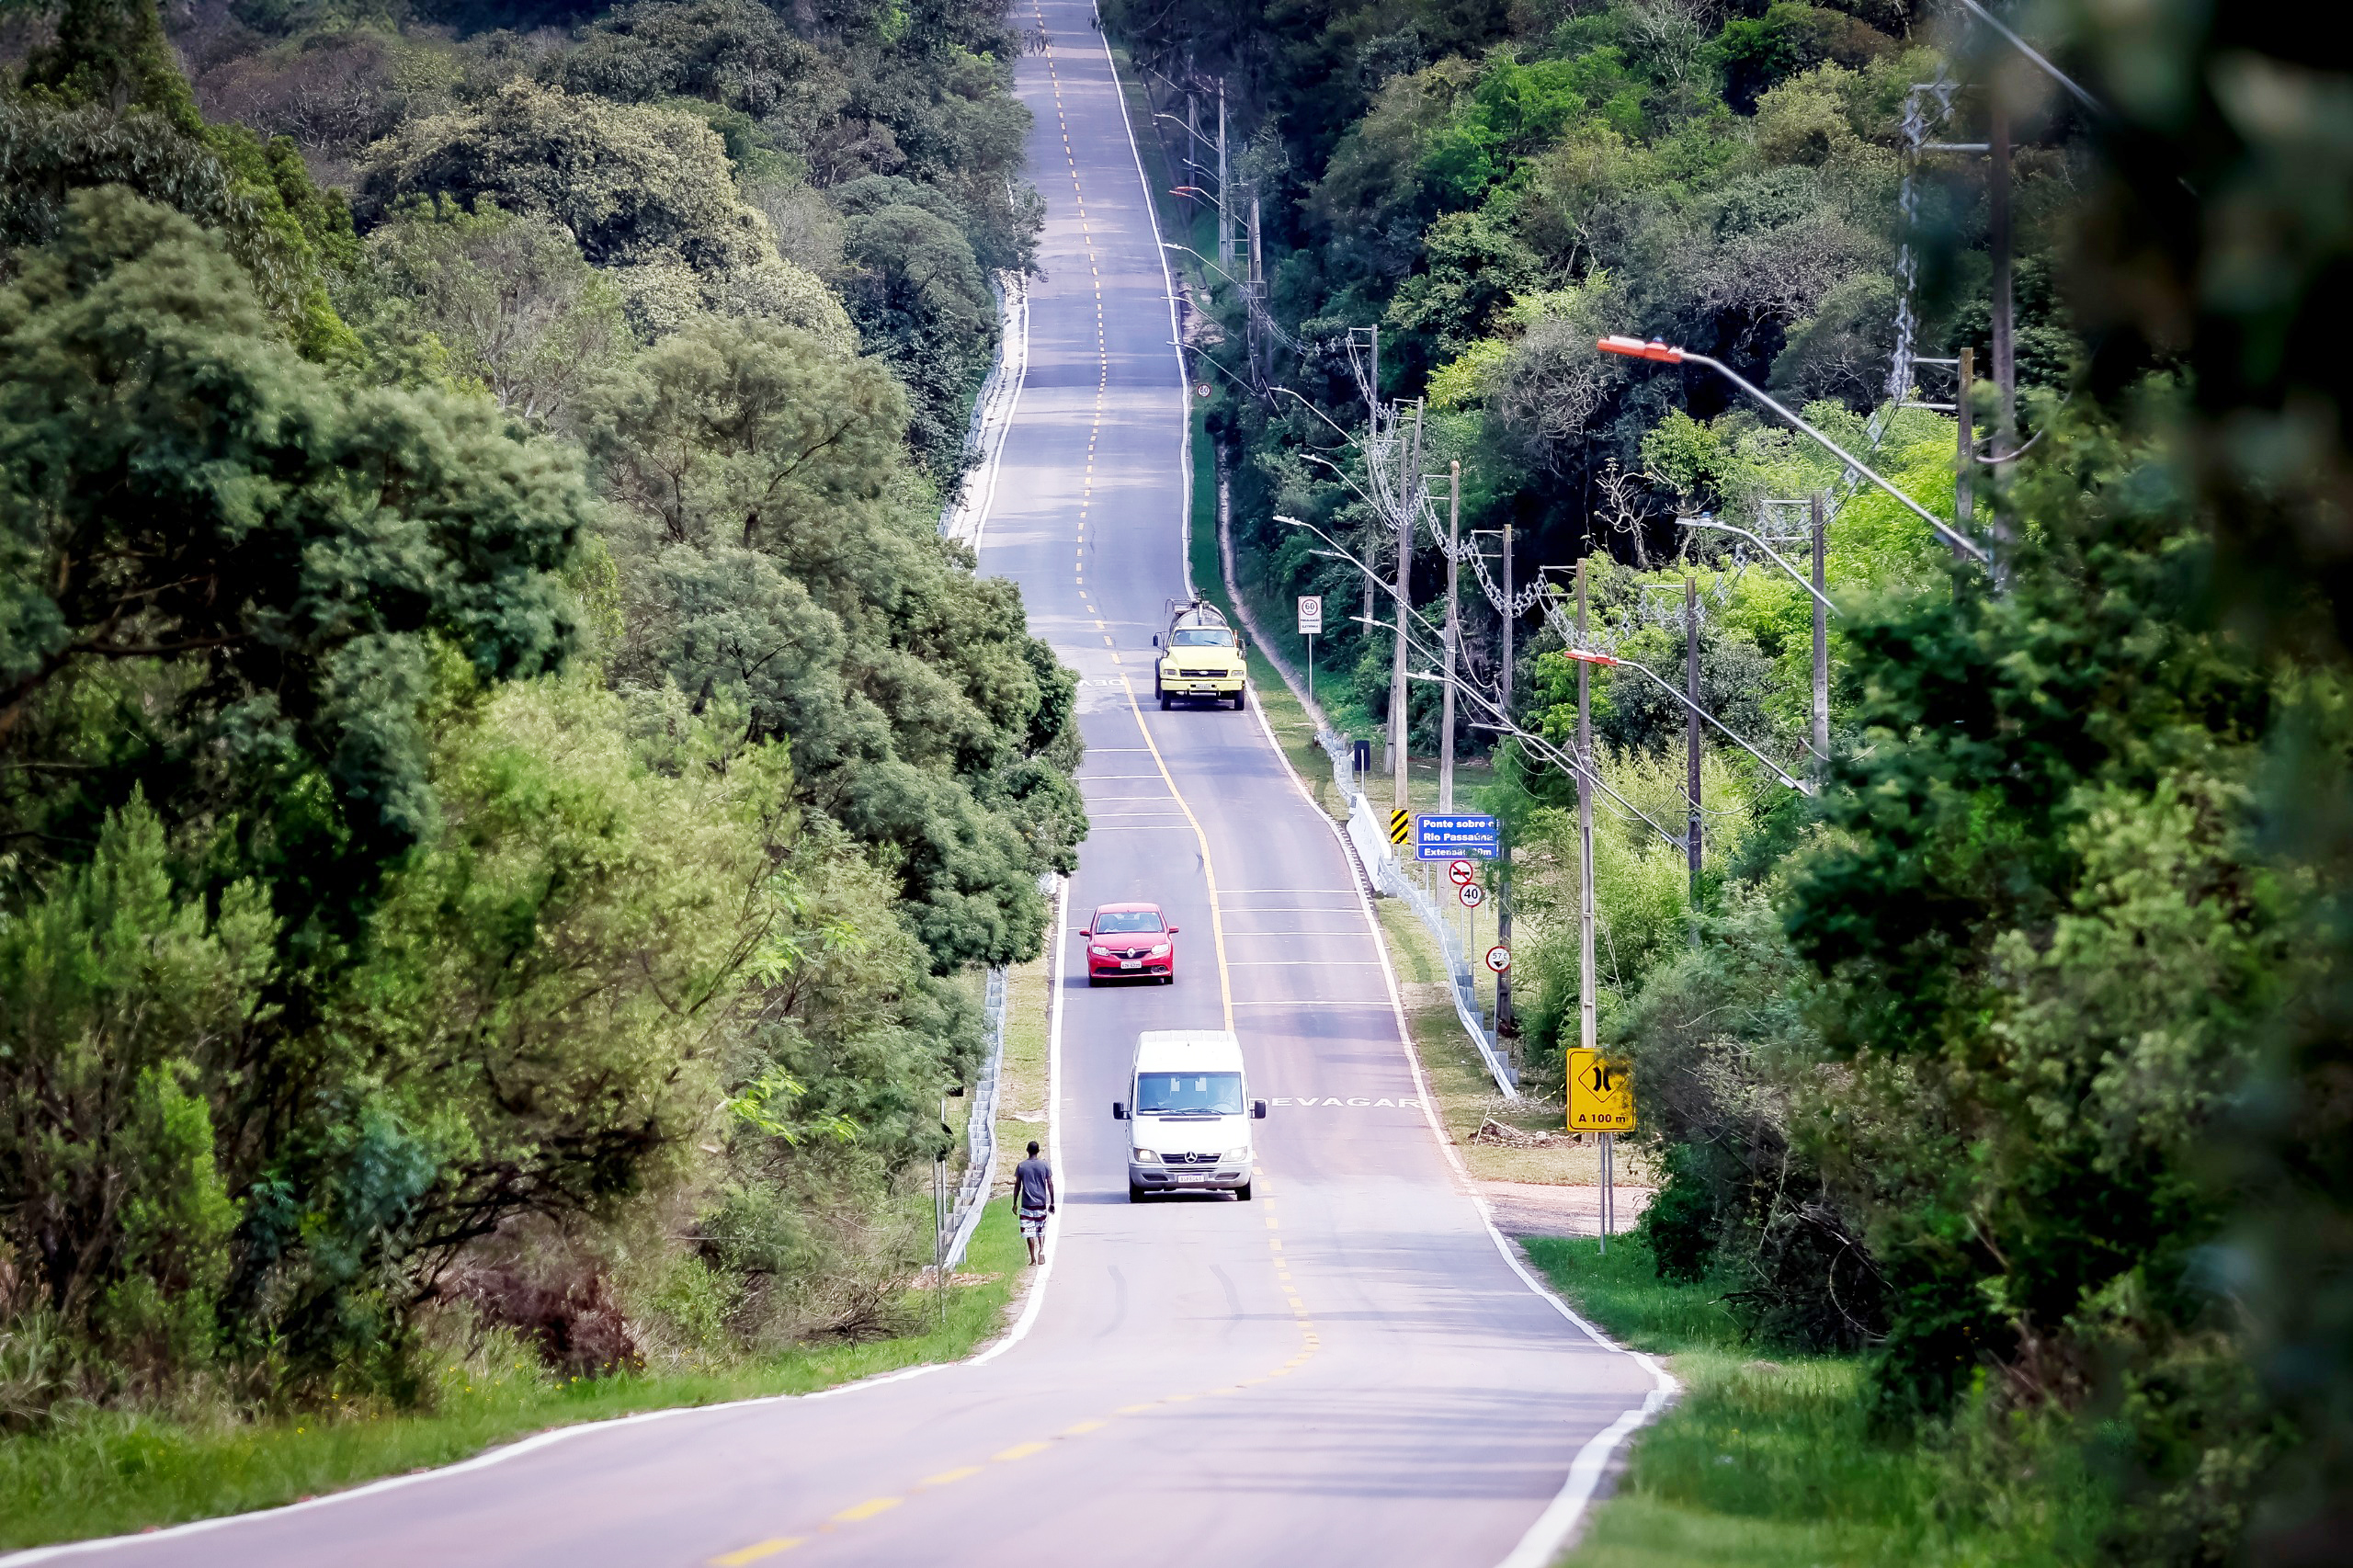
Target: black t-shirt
point(1030, 1183)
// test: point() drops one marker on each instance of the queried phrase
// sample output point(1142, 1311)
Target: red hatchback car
point(1130, 941)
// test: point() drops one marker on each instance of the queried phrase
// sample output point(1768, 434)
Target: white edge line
point(480, 1461)
point(1004, 419)
point(1167, 287)
point(1013, 1337)
point(1037, 1296)
point(1545, 1539)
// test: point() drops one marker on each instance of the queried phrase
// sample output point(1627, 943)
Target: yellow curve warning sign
point(1601, 1093)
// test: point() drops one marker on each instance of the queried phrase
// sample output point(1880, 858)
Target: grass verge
point(1762, 1463)
point(111, 1472)
point(1023, 1103)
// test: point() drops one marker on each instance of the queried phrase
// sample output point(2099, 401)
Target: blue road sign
point(1439, 837)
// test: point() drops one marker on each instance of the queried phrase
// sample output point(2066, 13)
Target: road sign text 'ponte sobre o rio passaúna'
point(1439, 837)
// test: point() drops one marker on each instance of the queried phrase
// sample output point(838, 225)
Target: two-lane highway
point(1348, 1369)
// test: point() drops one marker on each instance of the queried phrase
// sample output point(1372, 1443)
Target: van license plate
point(1131, 963)
point(1192, 1179)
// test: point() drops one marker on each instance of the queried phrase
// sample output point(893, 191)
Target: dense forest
point(2009, 1054)
point(502, 786)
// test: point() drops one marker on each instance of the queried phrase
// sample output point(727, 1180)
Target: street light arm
point(1188, 130)
point(1196, 191)
point(1583, 656)
point(2081, 97)
point(1635, 349)
point(1319, 413)
point(1205, 261)
point(1569, 764)
point(1778, 560)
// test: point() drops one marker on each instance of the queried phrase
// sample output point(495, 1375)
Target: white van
point(1191, 1120)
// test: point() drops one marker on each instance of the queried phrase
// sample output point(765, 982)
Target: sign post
point(1601, 1099)
point(1311, 621)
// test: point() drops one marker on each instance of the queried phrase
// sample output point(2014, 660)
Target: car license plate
point(1131, 963)
point(1195, 1177)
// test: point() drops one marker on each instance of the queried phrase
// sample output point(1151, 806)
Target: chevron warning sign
point(1401, 826)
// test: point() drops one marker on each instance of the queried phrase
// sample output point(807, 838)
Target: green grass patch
point(1766, 1461)
point(112, 1473)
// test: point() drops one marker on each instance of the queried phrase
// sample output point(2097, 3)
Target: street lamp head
point(1289, 522)
point(1635, 349)
point(1586, 656)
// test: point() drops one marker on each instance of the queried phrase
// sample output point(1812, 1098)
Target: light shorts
point(1033, 1224)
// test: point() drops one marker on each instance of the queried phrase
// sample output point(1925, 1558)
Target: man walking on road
point(1034, 1197)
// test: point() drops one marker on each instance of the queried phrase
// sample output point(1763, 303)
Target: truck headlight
point(1144, 1156)
point(1161, 952)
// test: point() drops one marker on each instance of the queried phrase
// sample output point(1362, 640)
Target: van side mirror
point(1258, 1110)
point(1155, 641)
point(1119, 1111)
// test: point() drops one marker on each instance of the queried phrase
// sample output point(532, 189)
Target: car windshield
point(1201, 637)
point(1111, 922)
point(1164, 1093)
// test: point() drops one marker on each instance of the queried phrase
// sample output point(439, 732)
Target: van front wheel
point(1243, 1192)
point(1135, 1193)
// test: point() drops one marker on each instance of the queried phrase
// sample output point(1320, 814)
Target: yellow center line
point(1209, 867)
point(865, 1510)
point(1020, 1452)
point(949, 1477)
point(758, 1549)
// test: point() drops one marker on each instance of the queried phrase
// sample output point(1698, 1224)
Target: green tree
point(120, 995)
point(509, 303)
point(769, 567)
point(647, 190)
point(225, 570)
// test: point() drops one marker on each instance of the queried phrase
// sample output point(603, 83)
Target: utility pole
point(1691, 729)
point(1504, 1019)
point(1588, 1004)
point(1225, 195)
point(1454, 636)
point(1400, 722)
point(1964, 475)
point(1821, 626)
point(1997, 239)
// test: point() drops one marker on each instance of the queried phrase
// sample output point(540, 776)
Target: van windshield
point(1169, 1093)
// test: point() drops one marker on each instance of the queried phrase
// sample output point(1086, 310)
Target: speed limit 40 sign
point(1472, 894)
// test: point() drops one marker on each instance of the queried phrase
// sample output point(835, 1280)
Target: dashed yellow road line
point(1311, 1341)
point(867, 1510)
point(951, 1477)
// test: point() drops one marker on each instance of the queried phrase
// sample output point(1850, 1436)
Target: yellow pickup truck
point(1200, 656)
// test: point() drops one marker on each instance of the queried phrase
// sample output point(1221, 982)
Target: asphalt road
point(1346, 1370)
